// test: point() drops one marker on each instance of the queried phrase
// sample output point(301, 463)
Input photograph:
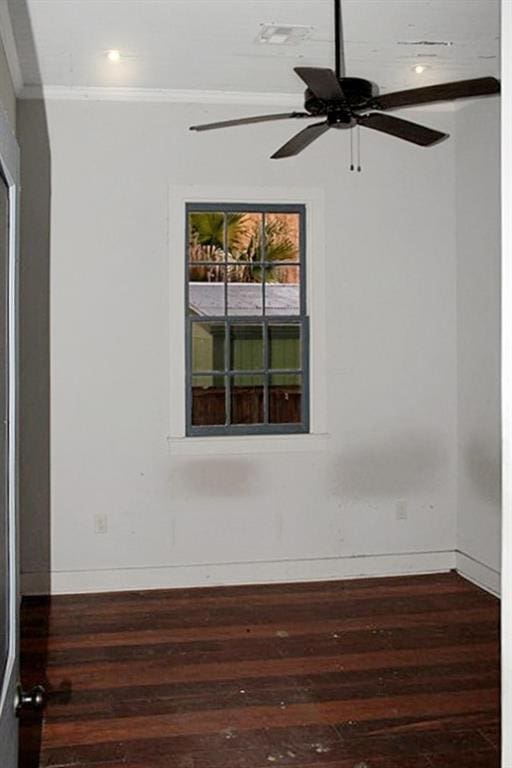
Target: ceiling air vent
point(278, 34)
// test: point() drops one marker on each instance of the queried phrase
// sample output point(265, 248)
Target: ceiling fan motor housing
point(358, 93)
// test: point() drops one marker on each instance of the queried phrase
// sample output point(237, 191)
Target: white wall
point(34, 332)
point(478, 320)
point(391, 377)
point(7, 94)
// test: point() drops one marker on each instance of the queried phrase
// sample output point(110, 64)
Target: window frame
point(301, 319)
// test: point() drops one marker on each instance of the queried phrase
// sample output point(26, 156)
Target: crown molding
point(9, 44)
point(176, 96)
point(92, 93)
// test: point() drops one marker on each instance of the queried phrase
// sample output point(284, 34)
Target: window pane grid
point(264, 290)
point(254, 379)
point(266, 284)
point(231, 262)
point(271, 398)
point(250, 319)
point(227, 353)
point(252, 372)
point(265, 353)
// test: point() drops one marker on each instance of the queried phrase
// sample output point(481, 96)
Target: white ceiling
point(210, 44)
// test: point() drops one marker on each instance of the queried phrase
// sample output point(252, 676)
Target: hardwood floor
point(376, 673)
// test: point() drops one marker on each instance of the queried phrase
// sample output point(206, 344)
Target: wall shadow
point(34, 393)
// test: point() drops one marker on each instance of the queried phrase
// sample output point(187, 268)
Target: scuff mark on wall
point(389, 467)
point(482, 461)
point(215, 477)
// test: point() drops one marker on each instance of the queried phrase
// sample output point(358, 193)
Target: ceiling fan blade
point(460, 89)
point(248, 121)
point(301, 140)
point(402, 129)
point(322, 82)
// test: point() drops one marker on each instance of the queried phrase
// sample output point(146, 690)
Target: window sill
point(234, 444)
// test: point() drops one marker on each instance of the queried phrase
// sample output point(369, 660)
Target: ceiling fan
point(345, 102)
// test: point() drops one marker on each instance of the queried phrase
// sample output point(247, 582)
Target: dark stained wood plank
point(246, 718)
point(391, 673)
point(152, 636)
point(118, 675)
point(246, 614)
point(279, 691)
point(492, 734)
point(165, 601)
point(482, 759)
point(244, 592)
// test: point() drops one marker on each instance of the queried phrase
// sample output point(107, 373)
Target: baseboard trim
point(323, 569)
point(477, 572)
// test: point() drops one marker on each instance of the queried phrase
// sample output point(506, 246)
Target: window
point(247, 326)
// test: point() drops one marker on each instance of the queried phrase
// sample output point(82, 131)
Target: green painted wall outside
point(246, 349)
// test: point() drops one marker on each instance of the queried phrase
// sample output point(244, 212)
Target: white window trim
point(313, 199)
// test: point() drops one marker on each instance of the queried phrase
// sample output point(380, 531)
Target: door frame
point(506, 379)
point(10, 166)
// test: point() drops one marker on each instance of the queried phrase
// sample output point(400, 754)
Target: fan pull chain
point(358, 149)
point(352, 168)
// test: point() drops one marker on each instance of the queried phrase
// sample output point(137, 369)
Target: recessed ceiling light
point(278, 34)
point(114, 56)
point(420, 68)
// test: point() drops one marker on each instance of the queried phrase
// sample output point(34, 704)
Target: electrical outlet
point(100, 524)
point(401, 509)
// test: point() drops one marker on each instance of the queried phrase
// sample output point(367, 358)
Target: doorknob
point(33, 699)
